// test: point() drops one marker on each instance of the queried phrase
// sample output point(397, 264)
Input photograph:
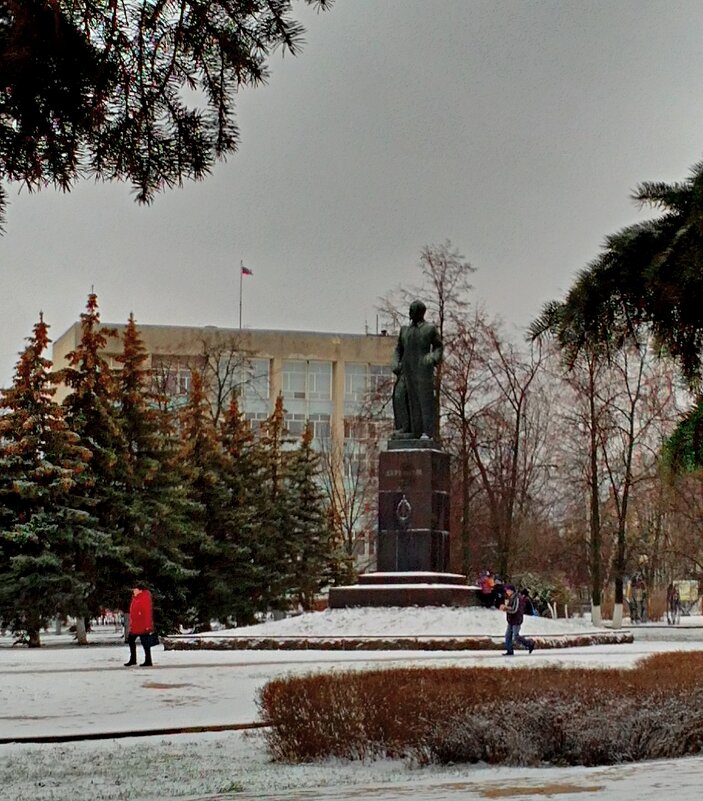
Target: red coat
point(141, 618)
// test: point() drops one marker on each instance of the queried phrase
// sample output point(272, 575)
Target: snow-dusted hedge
point(568, 731)
point(208, 642)
point(516, 716)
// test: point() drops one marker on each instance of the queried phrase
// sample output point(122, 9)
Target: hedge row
point(208, 642)
point(513, 716)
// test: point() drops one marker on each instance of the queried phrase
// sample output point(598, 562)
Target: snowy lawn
point(397, 622)
point(68, 690)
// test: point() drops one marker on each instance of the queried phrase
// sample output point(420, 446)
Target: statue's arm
point(435, 355)
point(398, 353)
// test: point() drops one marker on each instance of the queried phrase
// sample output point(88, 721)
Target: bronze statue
point(418, 351)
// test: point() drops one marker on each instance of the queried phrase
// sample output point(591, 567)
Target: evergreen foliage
point(157, 520)
point(46, 536)
point(95, 87)
point(204, 463)
point(113, 487)
point(273, 552)
point(91, 411)
point(315, 560)
point(242, 475)
point(683, 451)
point(648, 275)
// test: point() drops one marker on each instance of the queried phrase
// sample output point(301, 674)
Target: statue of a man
point(418, 351)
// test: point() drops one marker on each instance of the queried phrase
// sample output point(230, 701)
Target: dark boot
point(147, 658)
point(132, 642)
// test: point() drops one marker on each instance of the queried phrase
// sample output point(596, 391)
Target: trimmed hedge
point(512, 716)
point(204, 642)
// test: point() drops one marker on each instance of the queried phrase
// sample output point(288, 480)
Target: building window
point(319, 380)
point(380, 379)
point(295, 425)
point(355, 381)
point(306, 380)
point(364, 383)
point(256, 420)
point(320, 426)
point(293, 379)
point(171, 377)
point(251, 379)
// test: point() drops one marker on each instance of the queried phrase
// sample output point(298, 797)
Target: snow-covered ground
point(397, 622)
point(64, 689)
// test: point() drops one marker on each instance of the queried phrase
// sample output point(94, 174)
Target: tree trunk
point(465, 544)
point(617, 613)
point(81, 635)
point(596, 580)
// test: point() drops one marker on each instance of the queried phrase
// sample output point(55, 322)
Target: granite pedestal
point(413, 534)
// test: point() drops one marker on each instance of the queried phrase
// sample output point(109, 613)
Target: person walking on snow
point(141, 624)
point(514, 608)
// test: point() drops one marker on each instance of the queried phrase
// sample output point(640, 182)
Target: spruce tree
point(91, 411)
point(315, 559)
point(43, 471)
point(204, 462)
point(157, 519)
point(245, 572)
point(274, 553)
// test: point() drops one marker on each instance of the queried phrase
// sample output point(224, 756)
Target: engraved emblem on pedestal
point(403, 512)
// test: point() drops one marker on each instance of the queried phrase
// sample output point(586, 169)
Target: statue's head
point(417, 311)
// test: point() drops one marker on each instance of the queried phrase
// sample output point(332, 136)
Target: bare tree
point(225, 367)
point(507, 444)
point(463, 390)
point(350, 471)
point(349, 479)
point(497, 429)
point(616, 409)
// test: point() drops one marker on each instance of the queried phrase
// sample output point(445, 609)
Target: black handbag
point(150, 640)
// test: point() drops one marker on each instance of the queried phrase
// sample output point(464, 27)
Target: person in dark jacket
point(514, 608)
point(141, 624)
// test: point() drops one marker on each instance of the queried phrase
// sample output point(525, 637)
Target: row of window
point(300, 380)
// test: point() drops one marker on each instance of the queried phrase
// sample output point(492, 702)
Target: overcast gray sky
point(515, 129)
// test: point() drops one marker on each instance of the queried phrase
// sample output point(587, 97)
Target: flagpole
point(242, 272)
point(241, 277)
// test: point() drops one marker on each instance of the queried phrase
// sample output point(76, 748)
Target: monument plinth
point(413, 534)
point(413, 507)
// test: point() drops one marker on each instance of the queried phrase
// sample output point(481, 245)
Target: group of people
point(515, 605)
point(493, 593)
point(491, 590)
point(636, 595)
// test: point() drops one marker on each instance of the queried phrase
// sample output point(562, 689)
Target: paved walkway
point(649, 781)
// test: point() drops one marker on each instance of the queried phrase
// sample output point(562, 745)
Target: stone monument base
point(412, 588)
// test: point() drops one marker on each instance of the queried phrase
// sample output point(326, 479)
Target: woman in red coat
point(141, 624)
